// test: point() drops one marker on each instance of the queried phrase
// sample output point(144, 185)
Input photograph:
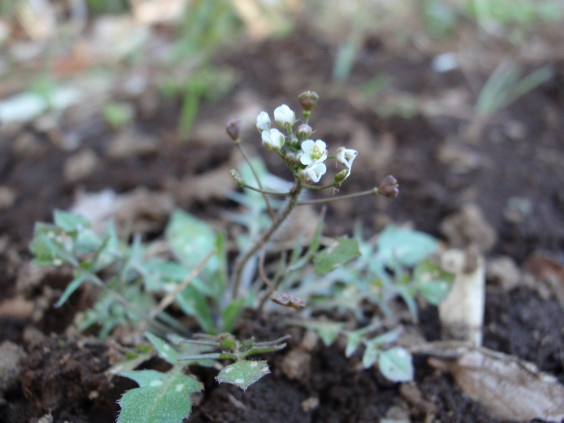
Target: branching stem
point(255, 174)
point(265, 237)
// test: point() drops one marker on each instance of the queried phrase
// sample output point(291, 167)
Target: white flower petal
point(315, 171)
point(313, 152)
point(284, 116)
point(263, 121)
point(272, 139)
point(346, 156)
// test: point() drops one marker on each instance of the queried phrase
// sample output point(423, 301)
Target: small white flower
point(314, 172)
point(313, 152)
point(284, 116)
point(273, 139)
point(346, 156)
point(263, 121)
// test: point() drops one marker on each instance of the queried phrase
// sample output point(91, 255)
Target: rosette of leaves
point(130, 282)
point(396, 264)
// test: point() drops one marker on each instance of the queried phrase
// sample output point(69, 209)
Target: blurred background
point(462, 100)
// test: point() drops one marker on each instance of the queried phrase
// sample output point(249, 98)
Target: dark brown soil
point(65, 375)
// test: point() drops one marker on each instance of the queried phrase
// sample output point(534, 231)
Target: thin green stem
point(322, 187)
point(264, 191)
point(373, 191)
point(248, 160)
point(265, 237)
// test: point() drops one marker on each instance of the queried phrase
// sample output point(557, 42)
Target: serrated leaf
point(396, 364)
point(191, 239)
point(161, 397)
point(404, 246)
point(243, 373)
point(335, 256)
point(165, 350)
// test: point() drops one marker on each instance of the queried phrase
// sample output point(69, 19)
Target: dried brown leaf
point(509, 388)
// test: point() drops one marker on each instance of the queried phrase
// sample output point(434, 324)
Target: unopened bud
point(304, 131)
point(237, 177)
point(342, 175)
point(233, 128)
point(291, 157)
point(389, 187)
point(308, 99)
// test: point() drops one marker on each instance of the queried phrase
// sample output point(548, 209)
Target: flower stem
point(248, 160)
point(373, 191)
point(265, 192)
point(266, 235)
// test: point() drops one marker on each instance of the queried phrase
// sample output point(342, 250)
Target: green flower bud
point(341, 176)
point(237, 177)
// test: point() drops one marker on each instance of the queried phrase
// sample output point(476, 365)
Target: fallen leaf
point(507, 387)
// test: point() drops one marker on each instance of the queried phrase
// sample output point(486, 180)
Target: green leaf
point(71, 222)
point(194, 303)
point(50, 246)
point(160, 398)
point(407, 293)
point(231, 314)
point(328, 331)
point(396, 364)
point(335, 256)
point(432, 282)
point(80, 228)
point(243, 373)
point(404, 246)
point(130, 364)
point(191, 239)
point(79, 279)
point(388, 337)
point(165, 350)
point(353, 341)
point(370, 353)
point(354, 338)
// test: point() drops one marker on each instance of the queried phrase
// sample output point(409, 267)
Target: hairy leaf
point(161, 397)
point(190, 238)
point(335, 256)
point(243, 373)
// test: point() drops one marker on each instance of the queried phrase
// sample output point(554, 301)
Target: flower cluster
point(304, 156)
